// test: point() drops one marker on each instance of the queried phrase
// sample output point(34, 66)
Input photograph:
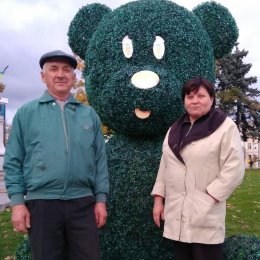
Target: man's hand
point(100, 214)
point(20, 218)
point(158, 210)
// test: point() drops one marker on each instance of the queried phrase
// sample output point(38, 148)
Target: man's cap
point(58, 54)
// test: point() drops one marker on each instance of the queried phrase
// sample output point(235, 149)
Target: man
point(56, 168)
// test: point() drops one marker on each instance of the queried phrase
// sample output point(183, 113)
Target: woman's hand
point(158, 210)
point(215, 200)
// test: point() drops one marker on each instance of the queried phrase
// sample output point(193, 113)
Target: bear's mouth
point(142, 114)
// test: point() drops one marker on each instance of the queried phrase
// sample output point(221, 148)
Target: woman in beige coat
point(201, 165)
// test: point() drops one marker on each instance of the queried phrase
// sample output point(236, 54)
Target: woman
point(202, 163)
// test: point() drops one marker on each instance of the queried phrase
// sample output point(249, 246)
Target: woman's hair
point(194, 85)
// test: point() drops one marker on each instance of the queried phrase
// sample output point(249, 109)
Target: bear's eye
point(158, 47)
point(127, 46)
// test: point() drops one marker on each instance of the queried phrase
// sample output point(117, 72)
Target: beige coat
point(213, 164)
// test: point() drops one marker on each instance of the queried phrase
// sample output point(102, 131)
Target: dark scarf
point(180, 134)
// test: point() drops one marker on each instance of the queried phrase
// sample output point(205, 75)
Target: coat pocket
point(204, 211)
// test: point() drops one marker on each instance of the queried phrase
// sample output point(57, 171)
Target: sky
point(30, 28)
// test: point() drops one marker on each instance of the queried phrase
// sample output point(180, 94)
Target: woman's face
point(198, 104)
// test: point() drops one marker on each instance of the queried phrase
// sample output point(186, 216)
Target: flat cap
point(58, 54)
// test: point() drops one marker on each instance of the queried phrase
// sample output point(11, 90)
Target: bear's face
point(137, 60)
point(135, 87)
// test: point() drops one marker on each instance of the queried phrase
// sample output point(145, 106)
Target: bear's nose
point(145, 79)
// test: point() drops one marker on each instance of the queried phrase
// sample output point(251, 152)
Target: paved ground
point(4, 201)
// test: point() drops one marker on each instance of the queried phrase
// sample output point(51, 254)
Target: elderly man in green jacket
point(56, 170)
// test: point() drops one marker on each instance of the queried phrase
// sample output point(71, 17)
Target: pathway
point(4, 200)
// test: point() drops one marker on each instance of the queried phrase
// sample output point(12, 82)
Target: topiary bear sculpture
point(137, 58)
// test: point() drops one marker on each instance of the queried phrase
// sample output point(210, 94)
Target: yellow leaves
point(81, 96)
point(9, 257)
point(81, 64)
point(80, 83)
point(230, 206)
point(106, 130)
point(2, 87)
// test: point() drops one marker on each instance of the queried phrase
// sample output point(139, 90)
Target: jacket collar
point(182, 133)
point(46, 97)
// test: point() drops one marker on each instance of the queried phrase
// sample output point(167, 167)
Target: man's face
point(59, 77)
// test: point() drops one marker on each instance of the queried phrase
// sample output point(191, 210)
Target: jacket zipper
point(65, 129)
point(67, 146)
point(186, 134)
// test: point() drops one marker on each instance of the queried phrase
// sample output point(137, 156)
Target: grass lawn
point(243, 209)
point(8, 238)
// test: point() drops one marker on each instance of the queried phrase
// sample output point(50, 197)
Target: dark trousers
point(63, 229)
point(195, 251)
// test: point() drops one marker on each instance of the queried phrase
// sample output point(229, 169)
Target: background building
point(252, 152)
point(3, 102)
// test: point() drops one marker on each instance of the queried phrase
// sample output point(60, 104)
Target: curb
point(4, 206)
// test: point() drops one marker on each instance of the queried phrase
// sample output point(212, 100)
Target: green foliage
point(255, 133)
point(23, 251)
point(220, 25)
point(189, 53)
point(242, 248)
point(235, 95)
point(87, 17)
point(130, 230)
point(134, 151)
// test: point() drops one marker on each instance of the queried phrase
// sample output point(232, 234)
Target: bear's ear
point(220, 26)
point(83, 26)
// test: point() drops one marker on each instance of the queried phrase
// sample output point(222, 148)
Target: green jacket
point(55, 154)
